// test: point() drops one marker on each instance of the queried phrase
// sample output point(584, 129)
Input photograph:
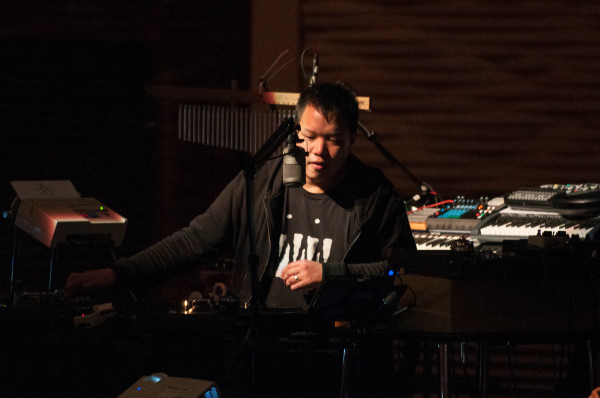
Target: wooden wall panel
point(476, 98)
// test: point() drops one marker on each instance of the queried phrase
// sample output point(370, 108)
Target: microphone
point(315, 70)
point(294, 163)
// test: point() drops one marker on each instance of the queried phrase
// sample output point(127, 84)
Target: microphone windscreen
point(294, 173)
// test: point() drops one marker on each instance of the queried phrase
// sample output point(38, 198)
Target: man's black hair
point(333, 100)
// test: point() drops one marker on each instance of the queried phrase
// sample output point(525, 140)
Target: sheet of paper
point(53, 189)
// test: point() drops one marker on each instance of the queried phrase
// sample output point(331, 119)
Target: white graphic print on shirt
point(303, 248)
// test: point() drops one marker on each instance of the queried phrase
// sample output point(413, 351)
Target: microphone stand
point(283, 132)
point(425, 188)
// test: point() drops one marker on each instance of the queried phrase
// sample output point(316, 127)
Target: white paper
point(53, 189)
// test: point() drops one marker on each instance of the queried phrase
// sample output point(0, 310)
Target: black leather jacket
point(379, 239)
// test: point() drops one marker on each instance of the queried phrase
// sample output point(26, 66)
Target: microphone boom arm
point(371, 135)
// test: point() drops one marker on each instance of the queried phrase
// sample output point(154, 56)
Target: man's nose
point(317, 146)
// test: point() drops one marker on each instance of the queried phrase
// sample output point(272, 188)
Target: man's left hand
point(303, 274)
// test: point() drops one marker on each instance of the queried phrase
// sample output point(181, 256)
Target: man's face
point(328, 146)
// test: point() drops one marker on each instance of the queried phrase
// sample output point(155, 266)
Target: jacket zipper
point(268, 217)
point(352, 244)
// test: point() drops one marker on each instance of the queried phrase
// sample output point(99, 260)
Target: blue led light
point(212, 393)
point(155, 378)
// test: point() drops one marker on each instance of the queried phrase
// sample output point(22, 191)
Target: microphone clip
point(293, 138)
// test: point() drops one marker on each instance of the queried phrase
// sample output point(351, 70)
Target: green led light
point(101, 207)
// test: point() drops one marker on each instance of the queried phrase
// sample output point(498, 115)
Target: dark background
point(73, 106)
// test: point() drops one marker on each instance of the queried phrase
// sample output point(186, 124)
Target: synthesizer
point(461, 214)
point(510, 224)
point(447, 224)
point(561, 210)
point(53, 212)
point(567, 211)
point(439, 241)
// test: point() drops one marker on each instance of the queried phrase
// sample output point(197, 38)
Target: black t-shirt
point(315, 228)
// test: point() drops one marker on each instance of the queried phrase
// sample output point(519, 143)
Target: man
point(345, 220)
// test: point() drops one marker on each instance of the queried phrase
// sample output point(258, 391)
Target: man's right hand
point(89, 281)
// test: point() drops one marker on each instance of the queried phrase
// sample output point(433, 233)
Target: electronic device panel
point(569, 200)
point(447, 225)
point(461, 214)
point(54, 212)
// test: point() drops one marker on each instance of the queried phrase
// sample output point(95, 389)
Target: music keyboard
point(437, 241)
point(490, 221)
point(520, 224)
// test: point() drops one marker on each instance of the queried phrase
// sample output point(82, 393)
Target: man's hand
point(89, 281)
point(303, 274)
point(595, 393)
